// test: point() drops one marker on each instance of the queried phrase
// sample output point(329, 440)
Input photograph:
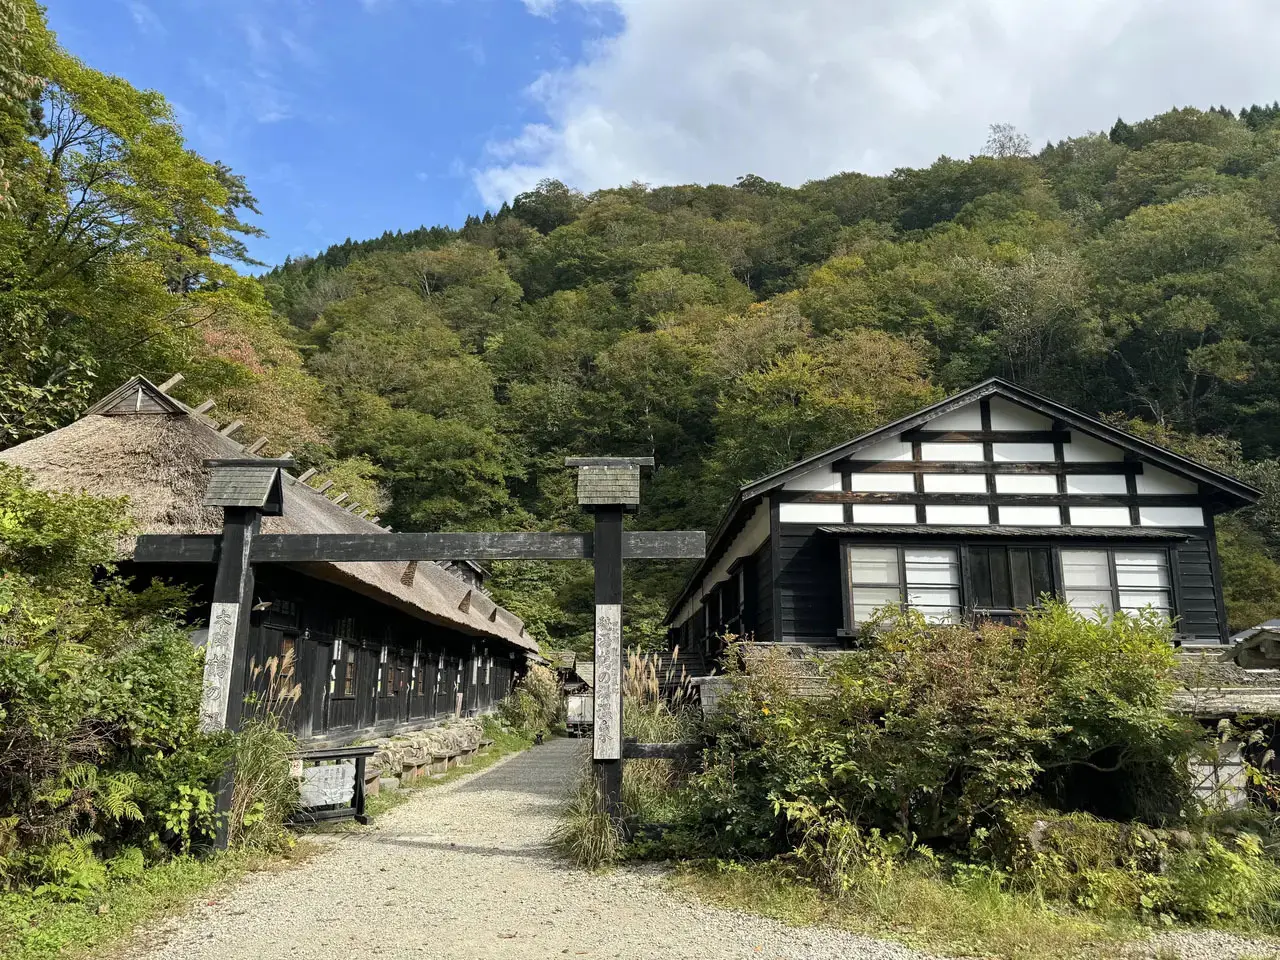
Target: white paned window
point(1086, 578)
point(1142, 580)
point(1128, 580)
point(873, 580)
point(932, 581)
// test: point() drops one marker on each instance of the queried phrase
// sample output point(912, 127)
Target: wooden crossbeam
point(256, 445)
point(631, 750)
point(324, 486)
point(1005, 499)
point(206, 406)
point(988, 436)
point(979, 466)
point(172, 382)
point(306, 474)
point(231, 427)
point(405, 547)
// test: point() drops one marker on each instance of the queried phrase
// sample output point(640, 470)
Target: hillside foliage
point(723, 329)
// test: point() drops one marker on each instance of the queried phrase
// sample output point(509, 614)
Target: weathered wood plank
point(631, 750)
point(988, 436)
point(977, 466)
point(997, 499)
point(177, 548)
point(341, 547)
point(664, 545)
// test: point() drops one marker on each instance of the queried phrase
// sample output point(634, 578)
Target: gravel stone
point(463, 871)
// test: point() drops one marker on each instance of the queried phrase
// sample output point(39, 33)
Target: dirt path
point(463, 871)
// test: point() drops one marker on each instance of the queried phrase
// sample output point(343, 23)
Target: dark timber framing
point(802, 568)
point(247, 489)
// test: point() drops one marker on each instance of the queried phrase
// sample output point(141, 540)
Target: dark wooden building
point(973, 507)
point(377, 646)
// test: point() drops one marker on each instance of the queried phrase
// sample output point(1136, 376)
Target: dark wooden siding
point(809, 585)
point(313, 618)
point(763, 612)
point(1197, 593)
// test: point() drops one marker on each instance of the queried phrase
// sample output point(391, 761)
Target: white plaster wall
point(1006, 415)
point(1155, 480)
point(1171, 516)
point(965, 515)
point(747, 542)
point(811, 513)
point(884, 513)
point(1019, 483)
point(954, 483)
point(1022, 452)
point(1085, 449)
point(1030, 516)
point(1099, 516)
point(882, 482)
point(884, 450)
point(1088, 483)
point(963, 452)
point(824, 478)
point(968, 417)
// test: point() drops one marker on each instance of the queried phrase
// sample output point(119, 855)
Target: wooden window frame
point(851, 627)
point(962, 546)
point(1115, 578)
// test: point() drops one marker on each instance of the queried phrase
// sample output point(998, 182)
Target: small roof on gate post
point(247, 483)
point(609, 481)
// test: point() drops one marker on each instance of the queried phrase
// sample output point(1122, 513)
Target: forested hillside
point(725, 330)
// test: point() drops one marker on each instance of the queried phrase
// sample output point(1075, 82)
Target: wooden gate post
point(608, 487)
point(246, 490)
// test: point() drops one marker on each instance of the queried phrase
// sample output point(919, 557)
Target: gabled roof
point(154, 452)
point(1233, 493)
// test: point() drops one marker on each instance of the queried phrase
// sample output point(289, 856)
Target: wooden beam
point(351, 507)
point(988, 436)
point(231, 427)
point(374, 519)
point(206, 406)
point(1006, 499)
point(407, 547)
point(256, 445)
point(660, 751)
point(306, 474)
point(177, 548)
point(324, 486)
point(340, 497)
point(172, 382)
point(980, 467)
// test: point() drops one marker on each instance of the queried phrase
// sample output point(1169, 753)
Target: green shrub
point(535, 704)
point(99, 695)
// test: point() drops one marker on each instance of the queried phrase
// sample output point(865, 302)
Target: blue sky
point(348, 117)
point(351, 117)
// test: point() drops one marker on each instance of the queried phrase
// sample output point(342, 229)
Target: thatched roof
point(152, 449)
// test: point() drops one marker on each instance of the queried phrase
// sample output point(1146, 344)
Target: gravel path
point(462, 871)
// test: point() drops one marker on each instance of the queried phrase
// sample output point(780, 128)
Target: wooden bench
point(440, 761)
point(360, 755)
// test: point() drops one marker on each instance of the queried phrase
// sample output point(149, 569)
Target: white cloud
point(707, 90)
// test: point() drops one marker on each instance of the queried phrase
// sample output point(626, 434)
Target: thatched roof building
point(140, 443)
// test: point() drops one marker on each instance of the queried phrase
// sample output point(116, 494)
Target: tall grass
point(265, 794)
point(586, 836)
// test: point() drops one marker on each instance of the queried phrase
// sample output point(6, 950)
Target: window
point(1128, 580)
point(1009, 578)
point(349, 673)
point(927, 579)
